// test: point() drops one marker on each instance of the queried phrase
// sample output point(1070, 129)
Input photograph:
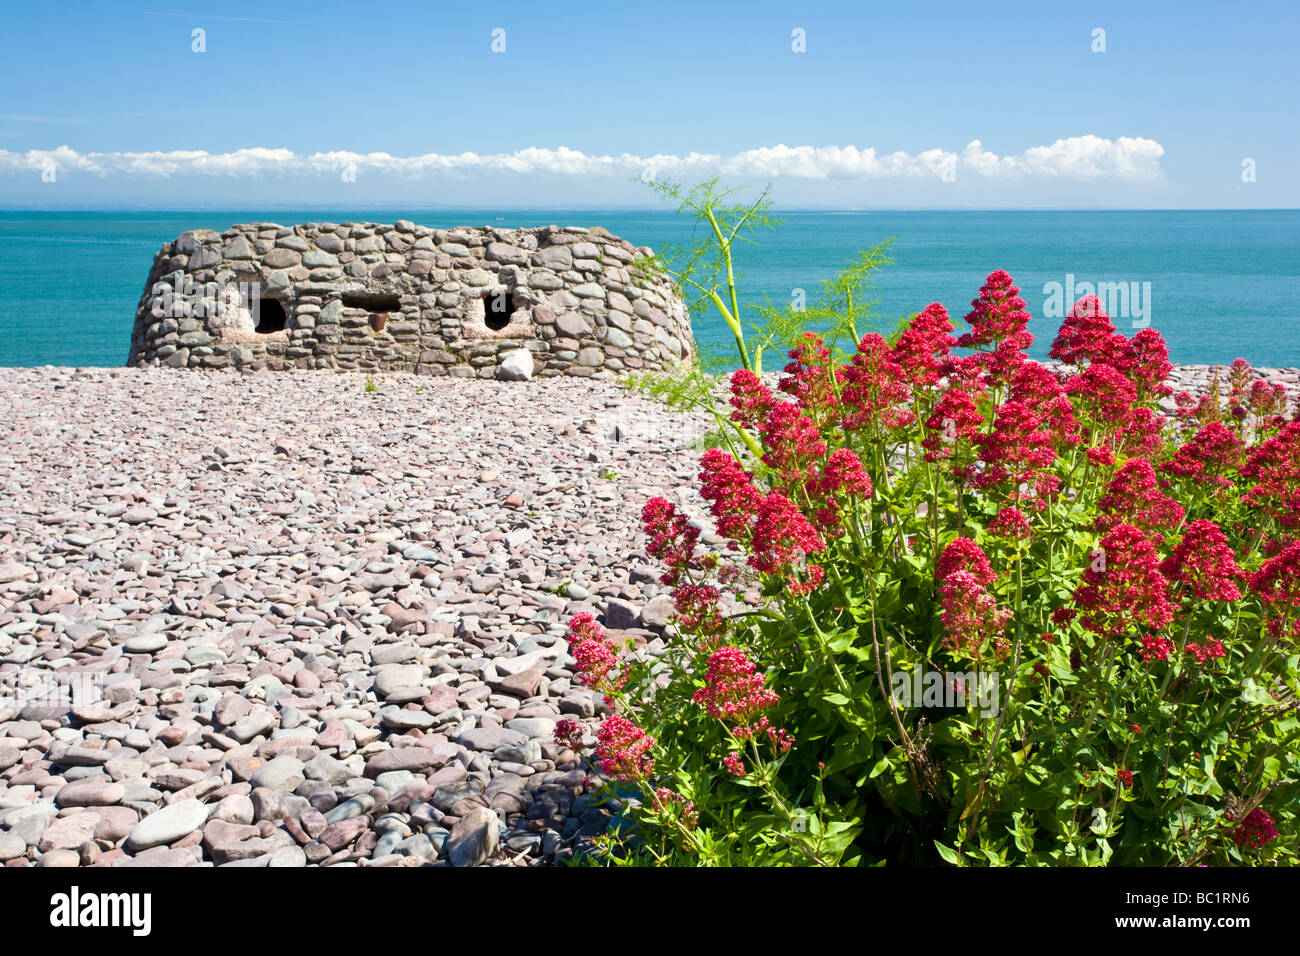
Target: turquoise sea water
point(1222, 284)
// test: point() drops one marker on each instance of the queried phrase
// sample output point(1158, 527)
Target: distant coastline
point(1224, 283)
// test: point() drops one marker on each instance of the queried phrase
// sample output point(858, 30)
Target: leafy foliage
point(973, 610)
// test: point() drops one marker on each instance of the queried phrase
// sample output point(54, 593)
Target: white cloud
point(1081, 158)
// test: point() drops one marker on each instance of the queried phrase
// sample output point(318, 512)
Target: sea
point(1217, 284)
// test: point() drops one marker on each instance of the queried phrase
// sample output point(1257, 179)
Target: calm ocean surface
point(1222, 284)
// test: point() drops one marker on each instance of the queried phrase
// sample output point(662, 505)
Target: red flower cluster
point(924, 346)
point(733, 691)
point(970, 615)
point(963, 554)
point(732, 491)
point(622, 747)
point(1087, 338)
point(1256, 830)
point(782, 538)
point(1084, 334)
point(874, 385)
point(999, 328)
point(1211, 454)
point(672, 537)
point(1133, 498)
point(1105, 394)
point(1204, 563)
point(595, 655)
point(809, 378)
point(792, 445)
point(1126, 592)
point(751, 400)
point(698, 612)
point(1278, 585)
point(1144, 360)
point(842, 480)
point(1275, 468)
point(953, 425)
point(569, 733)
point(1205, 652)
point(1156, 648)
point(1010, 523)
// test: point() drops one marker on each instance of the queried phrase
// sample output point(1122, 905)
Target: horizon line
point(388, 206)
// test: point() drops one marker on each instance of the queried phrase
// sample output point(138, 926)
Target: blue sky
point(919, 104)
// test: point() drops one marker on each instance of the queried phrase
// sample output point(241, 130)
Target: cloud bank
point(1080, 158)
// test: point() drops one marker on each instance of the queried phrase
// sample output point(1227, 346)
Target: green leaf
point(948, 853)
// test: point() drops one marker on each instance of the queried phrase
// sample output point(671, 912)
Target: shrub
point(971, 608)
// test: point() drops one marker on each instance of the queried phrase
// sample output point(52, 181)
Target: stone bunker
point(480, 302)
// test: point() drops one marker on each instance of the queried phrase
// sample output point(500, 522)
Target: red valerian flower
point(1275, 468)
point(1205, 652)
point(963, 554)
point(1062, 616)
point(842, 480)
point(1103, 456)
point(999, 328)
point(924, 346)
point(970, 615)
point(874, 386)
point(622, 747)
point(781, 739)
point(952, 426)
point(735, 498)
point(809, 377)
point(1042, 390)
point(1083, 333)
point(1278, 585)
point(665, 799)
point(1156, 648)
point(569, 733)
point(595, 655)
point(1204, 563)
point(1125, 777)
point(672, 537)
point(1147, 365)
point(1256, 830)
point(1125, 591)
point(1267, 402)
point(698, 612)
point(733, 764)
point(782, 538)
point(844, 475)
point(1018, 448)
point(1142, 434)
point(733, 690)
point(1240, 375)
point(1010, 523)
point(1210, 455)
point(751, 400)
point(1105, 393)
point(1133, 498)
point(792, 444)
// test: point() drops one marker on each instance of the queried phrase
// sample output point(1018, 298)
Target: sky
point(856, 105)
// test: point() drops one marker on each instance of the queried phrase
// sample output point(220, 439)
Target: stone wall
point(461, 302)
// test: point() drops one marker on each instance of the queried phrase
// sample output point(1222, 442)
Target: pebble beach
point(279, 619)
